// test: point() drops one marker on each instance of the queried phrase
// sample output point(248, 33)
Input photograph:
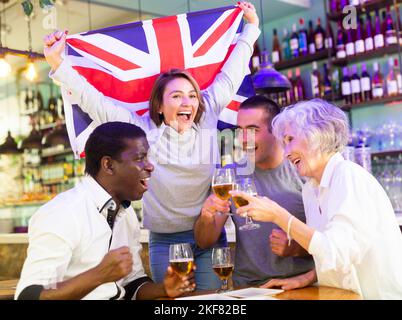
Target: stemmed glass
point(223, 182)
point(222, 264)
point(181, 258)
point(246, 185)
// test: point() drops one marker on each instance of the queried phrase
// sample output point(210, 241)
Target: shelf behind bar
point(370, 6)
point(372, 102)
point(392, 49)
point(384, 154)
point(295, 62)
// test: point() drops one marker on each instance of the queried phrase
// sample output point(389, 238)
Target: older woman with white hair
point(351, 229)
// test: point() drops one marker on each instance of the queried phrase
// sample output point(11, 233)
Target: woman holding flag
point(181, 129)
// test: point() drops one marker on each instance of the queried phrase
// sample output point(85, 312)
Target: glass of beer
point(247, 185)
point(181, 258)
point(223, 266)
point(222, 182)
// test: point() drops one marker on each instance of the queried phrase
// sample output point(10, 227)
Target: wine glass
point(246, 185)
point(223, 266)
point(222, 182)
point(181, 259)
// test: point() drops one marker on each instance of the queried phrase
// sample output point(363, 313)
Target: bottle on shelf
point(316, 82)
point(340, 43)
point(398, 75)
point(276, 49)
point(346, 87)
point(310, 38)
point(377, 82)
point(365, 84)
point(327, 91)
point(350, 43)
point(390, 32)
point(378, 36)
point(290, 94)
point(355, 86)
point(294, 42)
point(255, 58)
point(303, 46)
point(392, 84)
point(319, 36)
point(299, 91)
point(359, 41)
point(286, 45)
point(329, 36)
point(368, 40)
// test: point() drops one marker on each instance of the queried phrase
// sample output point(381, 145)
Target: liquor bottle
point(299, 91)
point(294, 42)
point(255, 58)
point(334, 6)
point(319, 36)
point(392, 84)
point(359, 41)
point(303, 47)
point(350, 44)
point(377, 82)
point(355, 86)
point(398, 75)
point(390, 32)
point(327, 83)
point(340, 43)
point(329, 36)
point(276, 49)
point(368, 40)
point(286, 45)
point(290, 94)
point(316, 82)
point(346, 87)
point(365, 84)
point(379, 36)
point(310, 38)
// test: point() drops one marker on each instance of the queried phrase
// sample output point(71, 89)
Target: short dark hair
point(108, 139)
point(271, 108)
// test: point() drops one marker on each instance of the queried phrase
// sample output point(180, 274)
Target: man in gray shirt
point(263, 256)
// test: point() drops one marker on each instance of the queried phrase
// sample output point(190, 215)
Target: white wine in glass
point(223, 182)
point(181, 258)
point(223, 266)
point(246, 185)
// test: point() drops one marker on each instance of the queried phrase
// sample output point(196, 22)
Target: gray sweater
point(184, 163)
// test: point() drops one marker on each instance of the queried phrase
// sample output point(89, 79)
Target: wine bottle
point(310, 38)
point(377, 82)
point(255, 58)
point(368, 40)
point(346, 87)
point(340, 43)
point(319, 36)
point(290, 95)
point(286, 45)
point(398, 75)
point(359, 41)
point(329, 36)
point(390, 32)
point(294, 42)
point(327, 83)
point(355, 86)
point(365, 84)
point(350, 44)
point(276, 49)
point(303, 47)
point(379, 36)
point(316, 82)
point(392, 84)
point(299, 87)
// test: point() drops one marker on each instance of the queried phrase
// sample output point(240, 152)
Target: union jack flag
point(124, 61)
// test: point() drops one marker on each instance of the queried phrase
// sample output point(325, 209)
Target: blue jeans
point(159, 243)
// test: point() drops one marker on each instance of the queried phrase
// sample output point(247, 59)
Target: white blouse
point(357, 244)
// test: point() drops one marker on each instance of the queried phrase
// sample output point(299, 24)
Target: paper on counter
point(253, 292)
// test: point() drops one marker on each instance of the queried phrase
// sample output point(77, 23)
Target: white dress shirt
point(357, 244)
point(70, 235)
